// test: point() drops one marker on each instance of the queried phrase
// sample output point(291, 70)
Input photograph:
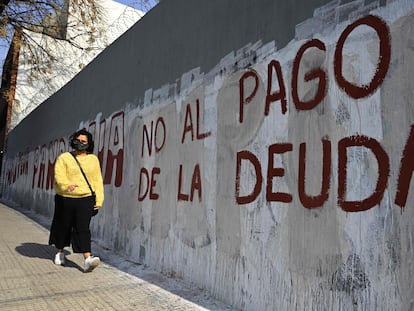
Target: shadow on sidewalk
point(44, 251)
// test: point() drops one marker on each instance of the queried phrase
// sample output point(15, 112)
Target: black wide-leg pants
point(71, 222)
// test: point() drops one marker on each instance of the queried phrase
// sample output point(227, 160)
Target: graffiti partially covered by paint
point(109, 139)
point(38, 165)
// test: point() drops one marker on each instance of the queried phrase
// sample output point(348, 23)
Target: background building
point(33, 88)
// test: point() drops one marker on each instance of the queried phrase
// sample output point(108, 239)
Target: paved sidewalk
point(30, 281)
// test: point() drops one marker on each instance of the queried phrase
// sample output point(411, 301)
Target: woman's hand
point(71, 188)
point(96, 208)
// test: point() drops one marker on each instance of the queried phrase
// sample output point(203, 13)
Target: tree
point(21, 21)
point(48, 17)
point(37, 30)
point(56, 19)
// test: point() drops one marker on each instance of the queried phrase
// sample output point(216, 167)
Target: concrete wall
point(260, 150)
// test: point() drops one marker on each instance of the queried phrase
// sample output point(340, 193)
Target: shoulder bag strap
point(83, 173)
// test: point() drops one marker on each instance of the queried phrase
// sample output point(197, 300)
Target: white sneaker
point(91, 263)
point(59, 259)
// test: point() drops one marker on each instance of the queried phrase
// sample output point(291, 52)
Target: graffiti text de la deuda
point(111, 138)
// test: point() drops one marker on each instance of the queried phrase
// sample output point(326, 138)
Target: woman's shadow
point(42, 251)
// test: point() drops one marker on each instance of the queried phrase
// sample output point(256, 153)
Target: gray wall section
point(173, 38)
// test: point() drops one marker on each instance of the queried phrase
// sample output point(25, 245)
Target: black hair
point(75, 135)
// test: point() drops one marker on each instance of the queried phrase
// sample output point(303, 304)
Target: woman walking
point(79, 195)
